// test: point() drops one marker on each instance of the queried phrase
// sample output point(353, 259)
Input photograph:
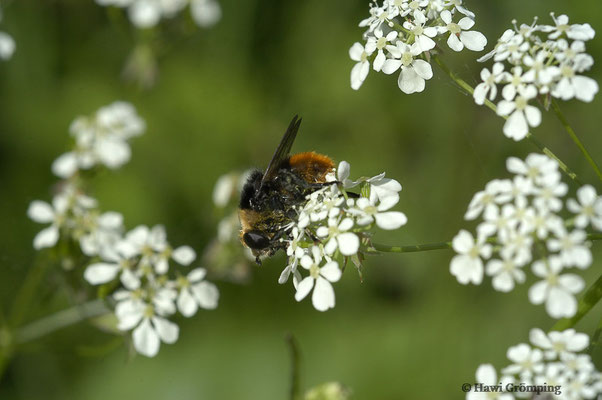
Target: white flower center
point(414, 5)
point(371, 210)
point(552, 280)
point(417, 30)
point(588, 211)
point(407, 58)
point(149, 311)
point(364, 57)
point(521, 103)
point(314, 271)
point(562, 28)
point(398, 3)
point(454, 28)
point(381, 43)
point(567, 71)
point(533, 172)
point(558, 347)
point(474, 252)
point(566, 243)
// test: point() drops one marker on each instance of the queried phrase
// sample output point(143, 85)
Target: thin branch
point(470, 90)
point(59, 320)
point(295, 356)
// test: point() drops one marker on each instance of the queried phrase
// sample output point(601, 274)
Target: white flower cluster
point(401, 33)
point(7, 44)
point(148, 13)
point(100, 139)
point(522, 225)
point(139, 261)
point(333, 223)
point(533, 60)
point(551, 368)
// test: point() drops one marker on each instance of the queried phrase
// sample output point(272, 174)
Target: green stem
point(59, 320)
point(27, 292)
point(294, 350)
point(380, 248)
point(586, 303)
point(595, 339)
point(470, 90)
point(573, 136)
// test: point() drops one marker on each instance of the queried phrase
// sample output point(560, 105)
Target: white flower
point(539, 71)
point(457, 4)
point(557, 343)
point(7, 46)
point(291, 267)
point(422, 35)
point(572, 85)
point(509, 46)
point(555, 290)
point(343, 171)
point(42, 212)
point(549, 197)
point(588, 207)
point(367, 212)
point(467, 266)
point(338, 237)
point(224, 189)
point(521, 114)
point(104, 232)
point(323, 295)
point(380, 42)
point(195, 292)
point(150, 327)
point(505, 272)
point(359, 72)
point(539, 168)
point(575, 31)
point(486, 375)
point(495, 191)
point(501, 222)
point(120, 262)
point(460, 36)
point(414, 72)
point(527, 361)
point(489, 84)
point(572, 248)
point(205, 13)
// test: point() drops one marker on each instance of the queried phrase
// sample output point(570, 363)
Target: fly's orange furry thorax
point(311, 166)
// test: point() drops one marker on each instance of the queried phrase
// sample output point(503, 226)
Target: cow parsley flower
point(545, 61)
point(467, 266)
point(148, 13)
point(555, 289)
point(335, 223)
point(100, 139)
point(523, 223)
point(402, 34)
point(319, 279)
point(588, 208)
point(553, 365)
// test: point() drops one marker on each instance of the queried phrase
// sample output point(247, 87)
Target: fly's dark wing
point(282, 151)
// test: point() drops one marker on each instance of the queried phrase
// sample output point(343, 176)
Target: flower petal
point(40, 211)
point(99, 273)
point(46, 238)
point(349, 243)
point(167, 330)
point(323, 296)
point(304, 288)
point(184, 255)
point(146, 340)
point(331, 271)
point(206, 294)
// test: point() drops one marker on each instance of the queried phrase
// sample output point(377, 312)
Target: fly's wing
point(282, 151)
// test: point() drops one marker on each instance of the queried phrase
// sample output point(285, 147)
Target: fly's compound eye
point(256, 240)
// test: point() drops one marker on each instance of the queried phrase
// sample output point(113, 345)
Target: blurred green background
point(221, 102)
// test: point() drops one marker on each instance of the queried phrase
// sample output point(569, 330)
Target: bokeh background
point(221, 101)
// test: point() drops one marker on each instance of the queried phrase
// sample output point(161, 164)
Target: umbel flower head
point(523, 224)
point(336, 223)
point(401, 34)
point(532, 61)
point(552, 366)
point(136, 269)
point(148, 13)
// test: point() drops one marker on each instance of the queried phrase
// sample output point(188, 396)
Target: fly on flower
point(269, 200)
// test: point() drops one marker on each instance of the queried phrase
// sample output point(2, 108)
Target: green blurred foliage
point(222, 99)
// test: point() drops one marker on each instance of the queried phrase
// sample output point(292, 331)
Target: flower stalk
point(575, 138)
point(589, 299)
